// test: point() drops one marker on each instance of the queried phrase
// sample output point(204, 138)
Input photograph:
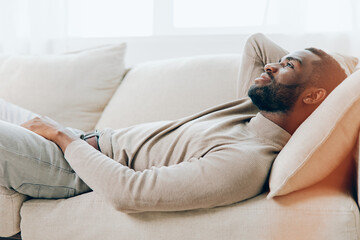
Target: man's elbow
point(122, 206)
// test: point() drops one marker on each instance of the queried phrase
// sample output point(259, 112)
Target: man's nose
point(271, 67)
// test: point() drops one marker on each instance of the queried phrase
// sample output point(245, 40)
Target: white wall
point(141, 49)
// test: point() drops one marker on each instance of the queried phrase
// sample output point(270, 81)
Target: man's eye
point(289, 64)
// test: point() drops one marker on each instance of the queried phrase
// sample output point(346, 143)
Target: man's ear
point(315, 96)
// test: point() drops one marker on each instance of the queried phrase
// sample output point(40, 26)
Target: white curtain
point(26, 26)
point(33, 26)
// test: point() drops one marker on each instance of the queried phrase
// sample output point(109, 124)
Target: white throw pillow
point(321, 143)
point(348, 63)
point(70, 88)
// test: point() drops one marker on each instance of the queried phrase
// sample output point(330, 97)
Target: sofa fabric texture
point(11, 203)
point(66, 88)
point(72, 88)
point(171, 89)
point(161, 90)
point(314, 214)
point(348, 63)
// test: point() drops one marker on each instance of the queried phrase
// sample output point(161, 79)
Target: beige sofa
point(154, 91)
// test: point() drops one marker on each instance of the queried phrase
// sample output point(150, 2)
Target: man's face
point(279, 87)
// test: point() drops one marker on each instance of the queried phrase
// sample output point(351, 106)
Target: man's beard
point(275, 97)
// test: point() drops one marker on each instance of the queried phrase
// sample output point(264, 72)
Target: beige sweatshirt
point(217, 157)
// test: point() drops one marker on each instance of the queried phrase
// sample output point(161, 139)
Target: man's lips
point(264, 78)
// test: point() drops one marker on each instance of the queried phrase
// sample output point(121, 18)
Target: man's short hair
point(327, 72)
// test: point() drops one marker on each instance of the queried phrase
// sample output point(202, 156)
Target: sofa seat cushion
point(319, 212)
point(10, 204)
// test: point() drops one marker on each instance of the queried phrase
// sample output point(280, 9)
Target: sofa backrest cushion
point(71, 88)
point(170, 89)
point(322, 142)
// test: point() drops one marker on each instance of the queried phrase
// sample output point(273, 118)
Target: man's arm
point(258, 51)
point(225, 175)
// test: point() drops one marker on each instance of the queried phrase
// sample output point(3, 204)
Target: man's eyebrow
point(292, 58)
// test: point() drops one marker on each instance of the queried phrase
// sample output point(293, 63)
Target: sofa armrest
point(10, 204)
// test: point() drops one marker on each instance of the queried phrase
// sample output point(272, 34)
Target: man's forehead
point(303, 56)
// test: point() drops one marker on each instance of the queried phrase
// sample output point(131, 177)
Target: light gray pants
point(31, 164)
point(36, 167)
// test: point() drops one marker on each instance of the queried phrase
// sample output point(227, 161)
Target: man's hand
point(51, 130)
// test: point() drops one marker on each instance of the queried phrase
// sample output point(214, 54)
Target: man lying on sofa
point(216, 157)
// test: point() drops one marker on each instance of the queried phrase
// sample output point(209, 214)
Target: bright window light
point(110, 18)
point(329, 16)
point(218, 13)
point(207, 16)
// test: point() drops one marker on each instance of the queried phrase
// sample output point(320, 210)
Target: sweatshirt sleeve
point(225, 175)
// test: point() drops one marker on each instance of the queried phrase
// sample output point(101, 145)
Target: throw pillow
point(321, 143)
point(348, 63)
point(71, 88)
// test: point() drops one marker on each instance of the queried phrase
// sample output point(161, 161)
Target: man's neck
point(288, 121)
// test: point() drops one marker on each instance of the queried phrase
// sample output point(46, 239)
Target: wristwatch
point(87, 136)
